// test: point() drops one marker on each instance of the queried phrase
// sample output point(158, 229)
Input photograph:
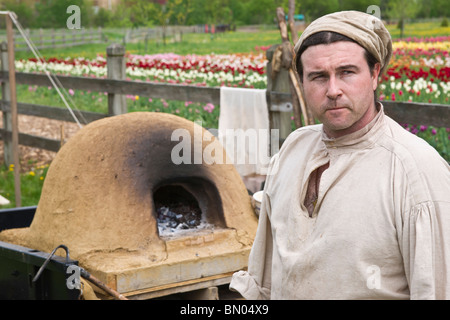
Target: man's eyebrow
point(316, 73)
point(313, 74)
point(347, 67)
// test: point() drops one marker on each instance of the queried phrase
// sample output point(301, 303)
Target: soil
point(54, 129)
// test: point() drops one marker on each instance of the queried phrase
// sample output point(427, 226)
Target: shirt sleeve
point(426, 250)
point(254, 284)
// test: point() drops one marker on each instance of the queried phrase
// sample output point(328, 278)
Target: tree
point(102, 18)
point(403, 9)
point(261, 11)
point(358, 5)
point(313, 9)
point(180, 10)
point(237, 12)
point(22, 9)
point(53, 13)
point(121, 16)
point(161, 14)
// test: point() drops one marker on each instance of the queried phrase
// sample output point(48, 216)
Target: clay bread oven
point(98, 199)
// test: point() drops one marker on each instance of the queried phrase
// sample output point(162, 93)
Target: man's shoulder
point(417, 157)
point(406, 144)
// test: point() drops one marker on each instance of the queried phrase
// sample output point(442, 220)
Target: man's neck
point(367, 117)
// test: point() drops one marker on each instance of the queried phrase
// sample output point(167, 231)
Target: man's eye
point(319, 77)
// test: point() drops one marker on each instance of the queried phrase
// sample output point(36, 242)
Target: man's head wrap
point(367, 30)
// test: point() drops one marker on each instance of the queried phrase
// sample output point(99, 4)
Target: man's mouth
point(335, 108)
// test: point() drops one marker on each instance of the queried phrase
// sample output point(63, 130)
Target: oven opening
point(186, 207)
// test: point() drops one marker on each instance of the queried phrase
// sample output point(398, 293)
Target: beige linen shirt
point(380, 228)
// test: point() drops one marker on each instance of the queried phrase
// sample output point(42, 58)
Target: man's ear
point(375, 73)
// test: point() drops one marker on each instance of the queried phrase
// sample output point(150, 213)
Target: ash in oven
point(181, 217)
point(177, 210)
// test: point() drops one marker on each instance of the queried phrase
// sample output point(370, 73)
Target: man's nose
point(333, 89)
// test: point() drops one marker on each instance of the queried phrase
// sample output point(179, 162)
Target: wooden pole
point(291, 20)
point(13, 101)
point(288, 51)
point(7, 122)
point(115, 65)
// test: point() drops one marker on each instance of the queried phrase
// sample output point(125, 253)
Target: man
point(356, 207)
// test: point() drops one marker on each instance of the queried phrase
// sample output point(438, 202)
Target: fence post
point(41, 37)
point(280, 83)
point(7, 119)
point(115, 64)
point(13, 109)
point(53, 38)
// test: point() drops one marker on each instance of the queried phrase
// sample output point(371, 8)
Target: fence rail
point(60, 38)
point(403, 112)
point(157, 33)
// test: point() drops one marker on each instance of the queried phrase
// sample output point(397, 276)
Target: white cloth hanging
point(244, 129)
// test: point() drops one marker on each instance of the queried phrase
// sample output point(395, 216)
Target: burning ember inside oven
point(177, 210)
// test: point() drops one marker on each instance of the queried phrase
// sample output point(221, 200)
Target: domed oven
point(145, 202)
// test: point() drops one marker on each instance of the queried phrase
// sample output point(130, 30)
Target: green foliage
point(23, 11)
point(31, 183)
point(136, 13)
point(181, 9)
point(53, 13)
point(103, 18)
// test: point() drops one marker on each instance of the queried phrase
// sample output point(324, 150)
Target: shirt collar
point(360, 139)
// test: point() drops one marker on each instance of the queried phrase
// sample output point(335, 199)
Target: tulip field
point(419, 72)
point(238, 70)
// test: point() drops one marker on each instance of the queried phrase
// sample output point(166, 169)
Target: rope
point(54, 80)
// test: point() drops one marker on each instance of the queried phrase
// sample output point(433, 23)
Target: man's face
point(339, 87)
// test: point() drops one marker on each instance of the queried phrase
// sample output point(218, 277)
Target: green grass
point(194, 43)
point(82, 100)
point(419, 30)
point(30, 185)
point(202, 44)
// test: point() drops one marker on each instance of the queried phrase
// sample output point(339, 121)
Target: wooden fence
point(57, 38)
point(159, 33)
point(60, 38)
point(278, 101)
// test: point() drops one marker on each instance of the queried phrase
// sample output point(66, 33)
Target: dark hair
point(328, 37)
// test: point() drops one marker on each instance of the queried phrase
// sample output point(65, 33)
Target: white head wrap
point(367, 30)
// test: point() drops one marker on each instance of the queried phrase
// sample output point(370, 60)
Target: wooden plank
point(59, 42)
point(34, 141)
point(55, 113)
point(63, 45)
point(180, 287)
point(141, 88)
point(13, 104)
point(437, 115)
point(7, 121)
